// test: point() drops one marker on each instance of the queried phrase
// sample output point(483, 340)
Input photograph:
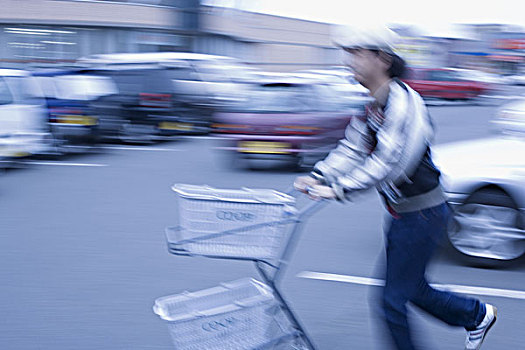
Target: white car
point(510, 118)
point(482, 77)
point(23, 118)
point(518, 79)
point(484, 181)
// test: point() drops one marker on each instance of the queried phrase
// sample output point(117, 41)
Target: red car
point(443, 83)
point(291, 120)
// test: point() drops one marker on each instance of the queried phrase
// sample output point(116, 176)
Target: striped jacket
point(387, 149)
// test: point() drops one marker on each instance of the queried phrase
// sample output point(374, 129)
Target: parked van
point(68, 95)
point(198, 79)
point(23, 122)
point(165, 94)
point(144, 109)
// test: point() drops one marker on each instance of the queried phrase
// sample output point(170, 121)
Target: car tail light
point(297, 130)
point(230, 128)
point(65, 111)
point(155, 100)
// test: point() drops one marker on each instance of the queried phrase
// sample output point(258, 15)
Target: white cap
point(375, 38)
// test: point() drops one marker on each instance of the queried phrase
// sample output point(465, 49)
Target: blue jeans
point(411, 241)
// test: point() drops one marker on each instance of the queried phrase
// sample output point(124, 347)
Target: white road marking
point(64, 164)
point(493, 292)
point(140, 148)
point(483, 100)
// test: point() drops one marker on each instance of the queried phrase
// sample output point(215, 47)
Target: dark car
point(68, 95)
point(183, 88)
point(296, 121)
point(146, 108)
point(443, 83)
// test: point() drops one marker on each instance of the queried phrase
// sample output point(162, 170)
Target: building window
point(29, 43)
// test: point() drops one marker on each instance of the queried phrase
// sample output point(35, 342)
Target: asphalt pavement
point(84, 255)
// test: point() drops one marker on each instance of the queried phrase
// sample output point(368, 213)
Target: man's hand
point(302, 183)
point(318, 192)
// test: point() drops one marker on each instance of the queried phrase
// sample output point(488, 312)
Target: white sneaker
point(476, 337)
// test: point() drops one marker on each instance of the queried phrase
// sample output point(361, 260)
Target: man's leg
point(411, 241)
point(402, 269)
point(451, 308)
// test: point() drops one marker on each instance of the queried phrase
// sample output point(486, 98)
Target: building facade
point(60, 31)
point(57, 32)
point(269, 42)
point(494, 48)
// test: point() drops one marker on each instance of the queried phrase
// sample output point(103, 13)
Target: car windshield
point(443, 75)
point(215, 71)
point(289, 98)
point(135, 81)
point(25, 90)
point(83, 87)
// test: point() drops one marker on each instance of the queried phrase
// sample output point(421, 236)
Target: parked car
point(198, 79)
point(510, 118)
point(185, 88)
point(493, 82)
point(68, 96)
point(23, 123)
point(444, 83)
point(287, 119)
point(485, 184)
point(144, 108)
point(515, 79)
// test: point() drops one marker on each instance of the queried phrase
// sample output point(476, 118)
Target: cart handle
point(308, 209)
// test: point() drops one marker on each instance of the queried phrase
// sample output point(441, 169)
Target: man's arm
point(345, 156)
point(376, 167)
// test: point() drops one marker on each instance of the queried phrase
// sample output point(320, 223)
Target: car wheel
point(128, 133)
point(230, 160)
point(57, 143)
point(488, 228)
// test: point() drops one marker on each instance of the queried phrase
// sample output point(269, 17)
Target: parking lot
point(84, 255)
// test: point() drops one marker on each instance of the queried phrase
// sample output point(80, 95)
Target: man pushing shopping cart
point(389, 149)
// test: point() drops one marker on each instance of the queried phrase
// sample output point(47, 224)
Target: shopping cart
point(258, 225)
